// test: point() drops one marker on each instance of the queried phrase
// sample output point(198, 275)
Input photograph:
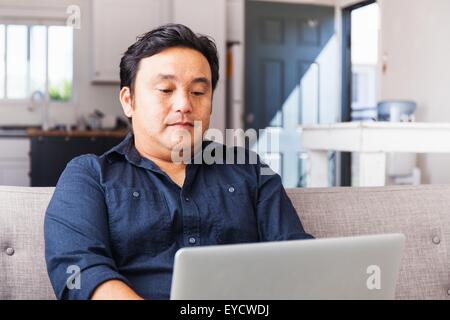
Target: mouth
point(181, 125)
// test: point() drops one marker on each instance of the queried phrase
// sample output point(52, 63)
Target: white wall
point(415, 43)
point(88, 96)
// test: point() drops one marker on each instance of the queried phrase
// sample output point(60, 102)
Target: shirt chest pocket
point(139, 222)
point(230, 208)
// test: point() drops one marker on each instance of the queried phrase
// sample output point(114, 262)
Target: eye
point(198, 93)
point(165, 90)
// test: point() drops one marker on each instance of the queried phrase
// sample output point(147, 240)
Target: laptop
point(359, 267)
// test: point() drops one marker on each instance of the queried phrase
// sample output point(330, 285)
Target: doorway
point(290, 76)
point(360, 69)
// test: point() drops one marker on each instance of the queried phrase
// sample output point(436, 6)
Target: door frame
point(346, 94)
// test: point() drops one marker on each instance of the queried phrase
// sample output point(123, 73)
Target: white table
point(372, 140)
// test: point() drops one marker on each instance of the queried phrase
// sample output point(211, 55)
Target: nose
point(182, 102)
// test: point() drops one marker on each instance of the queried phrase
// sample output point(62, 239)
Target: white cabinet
point(14, 161)
point(116, 24)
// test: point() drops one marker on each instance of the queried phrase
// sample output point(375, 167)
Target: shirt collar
point(127, 149)
point(123, 148)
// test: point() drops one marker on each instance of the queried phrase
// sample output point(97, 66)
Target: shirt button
point(231, 189)
point(436, 240)
point(136, 194)
point(10, 251)
point(187, 198)
point(192, 240)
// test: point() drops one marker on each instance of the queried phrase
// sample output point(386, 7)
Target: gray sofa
point(422, 213)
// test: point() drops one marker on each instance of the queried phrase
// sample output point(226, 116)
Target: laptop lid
point(360, 267)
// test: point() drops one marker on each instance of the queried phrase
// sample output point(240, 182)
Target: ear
point(127, 101)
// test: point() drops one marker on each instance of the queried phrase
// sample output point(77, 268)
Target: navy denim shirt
point(118, 216)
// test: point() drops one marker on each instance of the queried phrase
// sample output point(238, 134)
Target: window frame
point(49, 21)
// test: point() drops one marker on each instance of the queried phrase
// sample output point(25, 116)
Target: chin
point(181, 151)
point(177, 143)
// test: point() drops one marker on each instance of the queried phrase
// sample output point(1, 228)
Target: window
point(36, 58)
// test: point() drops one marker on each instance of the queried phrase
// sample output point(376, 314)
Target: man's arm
point(277, 218)
point(77, 243)
point(114, 290)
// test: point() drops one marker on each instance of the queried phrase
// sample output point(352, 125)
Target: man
point(116, 221)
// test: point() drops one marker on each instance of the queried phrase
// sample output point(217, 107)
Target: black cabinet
point(50, 155)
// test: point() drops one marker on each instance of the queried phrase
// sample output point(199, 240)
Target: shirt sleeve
point(277, 217)
point(77, 246)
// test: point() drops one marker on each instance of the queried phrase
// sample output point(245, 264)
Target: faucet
point(38, 97)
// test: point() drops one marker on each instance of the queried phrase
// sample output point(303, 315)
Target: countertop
point(27, 132)
point(76, 133)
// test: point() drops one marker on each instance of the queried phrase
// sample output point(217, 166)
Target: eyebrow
point(172, 77)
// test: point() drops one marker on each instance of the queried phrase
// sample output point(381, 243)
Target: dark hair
point(164, 37)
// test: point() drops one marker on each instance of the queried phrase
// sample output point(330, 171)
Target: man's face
point(172, 90)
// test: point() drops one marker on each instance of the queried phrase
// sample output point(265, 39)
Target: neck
point(167, 166)
point(158, 154)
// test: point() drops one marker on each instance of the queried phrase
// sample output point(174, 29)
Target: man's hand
point(114, 290)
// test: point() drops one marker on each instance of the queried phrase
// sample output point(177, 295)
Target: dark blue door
point(285, 47)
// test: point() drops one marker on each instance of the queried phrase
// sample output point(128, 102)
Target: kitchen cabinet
point(14, 161)
point(116, 24)
point(50, 152)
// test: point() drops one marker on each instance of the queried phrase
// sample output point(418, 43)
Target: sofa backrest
point(422, 213)
point(23, 273)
